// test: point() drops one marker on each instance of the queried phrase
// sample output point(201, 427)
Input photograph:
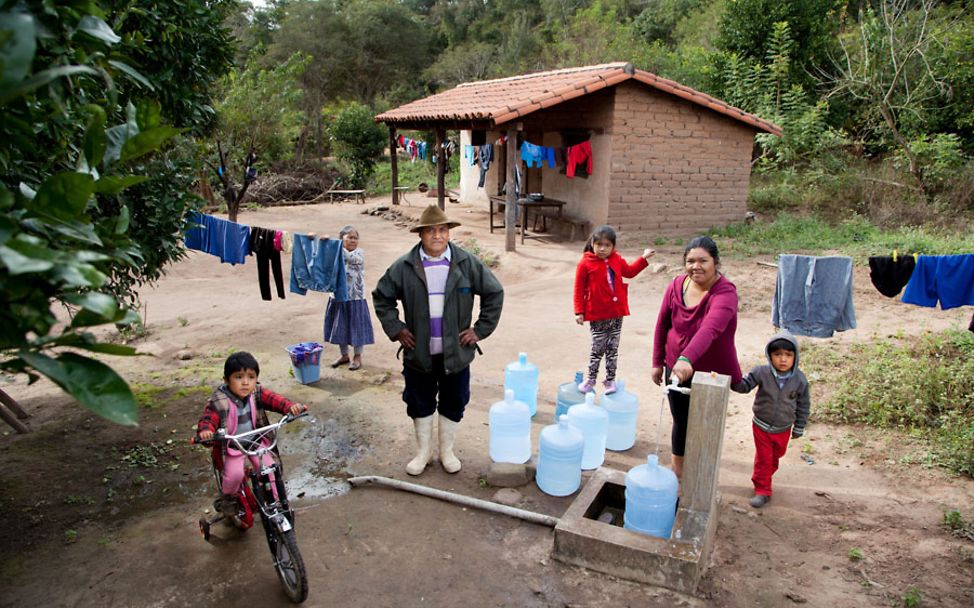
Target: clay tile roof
point(505, 99)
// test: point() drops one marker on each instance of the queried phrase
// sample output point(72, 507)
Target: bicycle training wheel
point(290, 565)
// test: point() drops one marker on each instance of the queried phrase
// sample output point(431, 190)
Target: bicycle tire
point(289, 565)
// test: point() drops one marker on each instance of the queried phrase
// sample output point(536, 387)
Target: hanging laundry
point(578, 154)
point(262, 246)
point(485, 154)
point(947, 278)
point(813, 295)
point(422, 150)
point(470, 154)
point(890, 274)
point(227, 240)
point(536, 156)
point(278, 236)
point(318, 265)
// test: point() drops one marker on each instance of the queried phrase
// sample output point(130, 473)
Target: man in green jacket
point(436, 283)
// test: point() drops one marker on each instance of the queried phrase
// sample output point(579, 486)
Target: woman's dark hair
point(238, 362)
point(703, 242)
point(601, 232)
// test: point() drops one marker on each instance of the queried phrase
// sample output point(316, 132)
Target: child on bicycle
point(238, 405)
point(781, 404)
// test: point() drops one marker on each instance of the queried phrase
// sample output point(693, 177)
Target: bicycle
point(276, 515)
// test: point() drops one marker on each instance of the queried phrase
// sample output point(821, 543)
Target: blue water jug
point(593, 422)
point(569, 395)
point(510, 430)
point(650, 498)
point(623, 410)
point(560, 448)
point(522, 378)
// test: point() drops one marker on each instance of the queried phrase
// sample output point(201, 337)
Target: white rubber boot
point(448, 430)
point(424, 440)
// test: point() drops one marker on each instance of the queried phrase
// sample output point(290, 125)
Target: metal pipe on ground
point(467, 501)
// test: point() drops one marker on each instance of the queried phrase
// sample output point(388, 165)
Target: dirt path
point(97, 515)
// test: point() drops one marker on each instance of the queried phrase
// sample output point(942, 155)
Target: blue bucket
point(306, 361)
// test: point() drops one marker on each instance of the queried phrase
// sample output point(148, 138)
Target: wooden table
point(524, 204)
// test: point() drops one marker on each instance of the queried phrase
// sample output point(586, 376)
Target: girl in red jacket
point(601, 298)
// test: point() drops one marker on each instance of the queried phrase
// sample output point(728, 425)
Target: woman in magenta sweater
point(695, 332)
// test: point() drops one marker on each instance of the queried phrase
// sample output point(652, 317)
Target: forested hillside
point(884, 89)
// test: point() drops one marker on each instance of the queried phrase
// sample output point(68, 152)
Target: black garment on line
point(891, 277)
point(262, 246)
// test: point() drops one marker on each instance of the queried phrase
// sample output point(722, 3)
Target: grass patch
point(855, 237)
point(412, 174)
point(487, 257)
point(147, 395)
point(923, 386)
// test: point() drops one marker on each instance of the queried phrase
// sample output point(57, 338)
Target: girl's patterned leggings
point(605, 342)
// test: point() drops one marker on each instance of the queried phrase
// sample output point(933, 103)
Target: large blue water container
point(522, 378)
point(650, 498)
point(569, 395)
point(623, 409)
point(593, 422)
point(510, 430)
point(560, 448)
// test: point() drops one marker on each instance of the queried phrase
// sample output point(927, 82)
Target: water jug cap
point(509, 395)
point(590, 399)
point(522, 357)
point(652, 460)
point(578, 377)
point(621, 386)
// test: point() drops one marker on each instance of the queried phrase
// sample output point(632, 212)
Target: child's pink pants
point(233, 472)
point(768, 449)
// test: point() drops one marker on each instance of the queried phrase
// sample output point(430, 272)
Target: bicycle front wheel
point(289, 565)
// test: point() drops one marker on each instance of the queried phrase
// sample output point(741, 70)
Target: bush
point(923, 386)
point(359, 142)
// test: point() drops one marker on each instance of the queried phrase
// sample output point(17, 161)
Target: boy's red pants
point(768, 449)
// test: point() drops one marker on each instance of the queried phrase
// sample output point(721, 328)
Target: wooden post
point(440, 169)
point(6, 401)
point(705, 438)
point(394, 164)
point(510, 208)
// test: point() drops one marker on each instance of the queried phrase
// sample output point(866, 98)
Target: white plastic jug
point(623, 410)
point(560, 448)
point(650, 498)
point(510, 430)
point(522, 377)
point(593, 422)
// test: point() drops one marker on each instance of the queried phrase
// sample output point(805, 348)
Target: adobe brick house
point(667, 159)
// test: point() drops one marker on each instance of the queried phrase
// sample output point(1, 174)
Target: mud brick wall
point(677, 168)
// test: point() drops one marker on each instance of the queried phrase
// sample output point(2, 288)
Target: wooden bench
point(345, 194)
point(572, 223)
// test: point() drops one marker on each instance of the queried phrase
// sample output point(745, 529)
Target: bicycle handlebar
point(257, 434)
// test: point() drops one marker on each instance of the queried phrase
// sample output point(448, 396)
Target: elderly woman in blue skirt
point(348, 323)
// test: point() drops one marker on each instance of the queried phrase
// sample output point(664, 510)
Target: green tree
point(263, 107)
point(747, 26)
point(884, 67)
point(596, 35)
point(359, 142)
point(181, 48)
point(65, 223)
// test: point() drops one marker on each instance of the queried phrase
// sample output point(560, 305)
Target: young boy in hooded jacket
point(781, 408)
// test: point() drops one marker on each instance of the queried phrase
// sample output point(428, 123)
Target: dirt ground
point(99, 515)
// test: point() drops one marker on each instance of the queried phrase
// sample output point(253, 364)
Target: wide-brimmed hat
point(433, 216)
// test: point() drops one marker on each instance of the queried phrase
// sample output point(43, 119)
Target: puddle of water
point(319, 453)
